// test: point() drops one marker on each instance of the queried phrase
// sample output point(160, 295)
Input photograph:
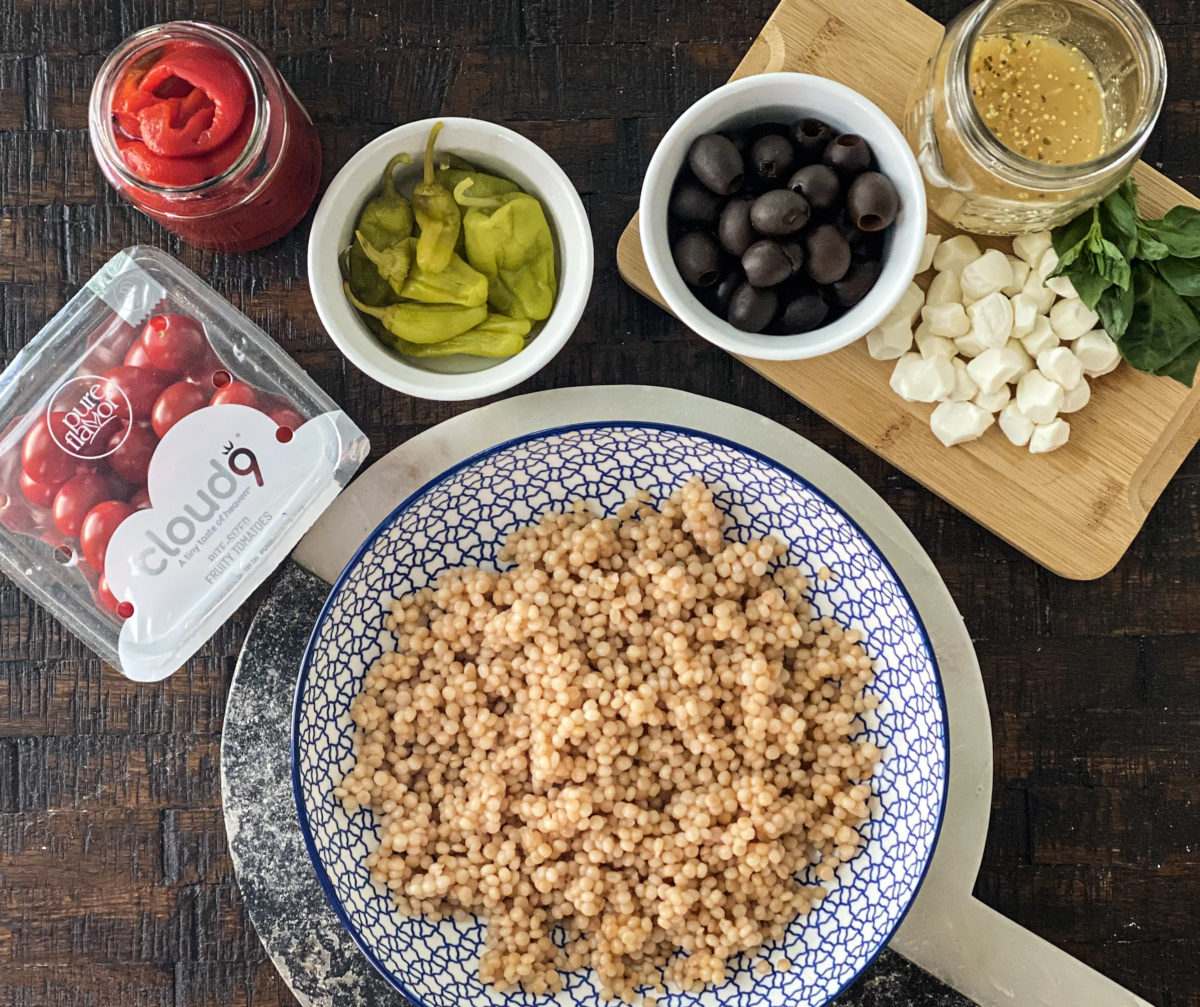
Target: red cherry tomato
point(41, 456)
point(175, 403)
point(174, 342)
point(131, 460)
point(141, 387)
point(41, 494)
point(98, 527)
point(235, 393)
point(136, 357)
point(202, 373)
point(287, 418)
point(108, 345)
point(75, 498)
point(141, 499)
point(105, 596)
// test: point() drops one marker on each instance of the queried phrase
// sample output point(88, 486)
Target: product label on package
point(221, 483)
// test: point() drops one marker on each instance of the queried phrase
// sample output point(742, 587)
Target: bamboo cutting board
point(1074, 511)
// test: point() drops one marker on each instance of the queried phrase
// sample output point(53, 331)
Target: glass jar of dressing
point(1032, 110)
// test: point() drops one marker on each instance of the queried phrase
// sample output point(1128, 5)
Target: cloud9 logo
point(83, 420)
point(199, 518)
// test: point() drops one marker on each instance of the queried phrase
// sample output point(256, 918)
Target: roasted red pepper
point(183, 116)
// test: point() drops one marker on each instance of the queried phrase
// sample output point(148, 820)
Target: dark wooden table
point(116, 888)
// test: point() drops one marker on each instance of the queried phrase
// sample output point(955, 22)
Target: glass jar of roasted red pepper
point(195, 127)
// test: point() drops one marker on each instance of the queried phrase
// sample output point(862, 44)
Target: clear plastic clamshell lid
point(159, 457)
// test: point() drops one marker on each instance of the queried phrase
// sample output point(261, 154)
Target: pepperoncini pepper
point(509, 241)
point(422, 323)
point(458, 283)
point(495, 336)
point(388, 217)
point(364, 279)
point(483, 183)
point(437, 215)
point(392, 263)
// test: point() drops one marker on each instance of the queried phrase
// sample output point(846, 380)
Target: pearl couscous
point(630, 743)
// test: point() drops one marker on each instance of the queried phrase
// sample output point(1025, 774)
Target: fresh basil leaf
point(1128, 191)
point(1179, 230)
point(1090, 285)
point(1119, 218)
point(1149, 247)
point(1114, 308)
point(1113, 266)
point(1161, 326)
point(1182, 274)
point(1070, 237)
point(1183, 367)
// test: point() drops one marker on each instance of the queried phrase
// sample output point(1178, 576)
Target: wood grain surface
point(116, 889)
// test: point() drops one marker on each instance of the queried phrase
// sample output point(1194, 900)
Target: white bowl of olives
point(782, 216)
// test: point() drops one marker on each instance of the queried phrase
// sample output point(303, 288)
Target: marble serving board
point(948, 942)
point(1074, 511)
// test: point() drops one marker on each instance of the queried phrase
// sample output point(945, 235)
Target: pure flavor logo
point(84, 418)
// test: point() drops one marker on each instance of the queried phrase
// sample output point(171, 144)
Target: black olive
point(716, 163)
point(803, 314)
point(772, 157)
point(872, 201)
point(751, 309)
point(811, 136)
point(734, 227)
point(695, 204)
point(818, 183)
point(778, 212)
point(725, 287)
point(848, 154)
point(857, 283)
point(740, 139)
point(768, 262)
point(828, 254)
point(761, 129)
point(698, 258)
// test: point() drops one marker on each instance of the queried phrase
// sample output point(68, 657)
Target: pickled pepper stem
point(389, 180)
point(429, 145)
point(483, 202)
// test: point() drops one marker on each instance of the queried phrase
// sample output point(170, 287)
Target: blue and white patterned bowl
point(461, 518)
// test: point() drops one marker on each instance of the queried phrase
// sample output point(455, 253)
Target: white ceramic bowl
point(785, 97)
point(494, 149)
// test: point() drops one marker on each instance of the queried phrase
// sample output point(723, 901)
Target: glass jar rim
point(1021, 169)
point(100, 105)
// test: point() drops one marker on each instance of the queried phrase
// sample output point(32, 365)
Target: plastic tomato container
point(159, 456)
point(249, 189)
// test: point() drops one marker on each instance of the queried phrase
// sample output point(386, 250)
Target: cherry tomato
point(174, 342)
point(141, 499)
point(141, 387)
point(131, 460)
point(287, 418)
point(105, 596)
point(108, 346)
point(98, 527)
point(75, 498)
point(175, 403)
point(235, 393)
point(41, 456)
point(41, 494)
point(136, 357)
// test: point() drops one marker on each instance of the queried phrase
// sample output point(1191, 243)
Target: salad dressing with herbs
point(1039, 96)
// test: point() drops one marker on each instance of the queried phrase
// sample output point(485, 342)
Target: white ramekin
point(785, 97)
point(492, 148)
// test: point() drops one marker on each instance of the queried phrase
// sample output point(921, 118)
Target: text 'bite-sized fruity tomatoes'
point(134, 390)
point(175, 402)
point(98, 527)
point(76, 497)
point(174, 343)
